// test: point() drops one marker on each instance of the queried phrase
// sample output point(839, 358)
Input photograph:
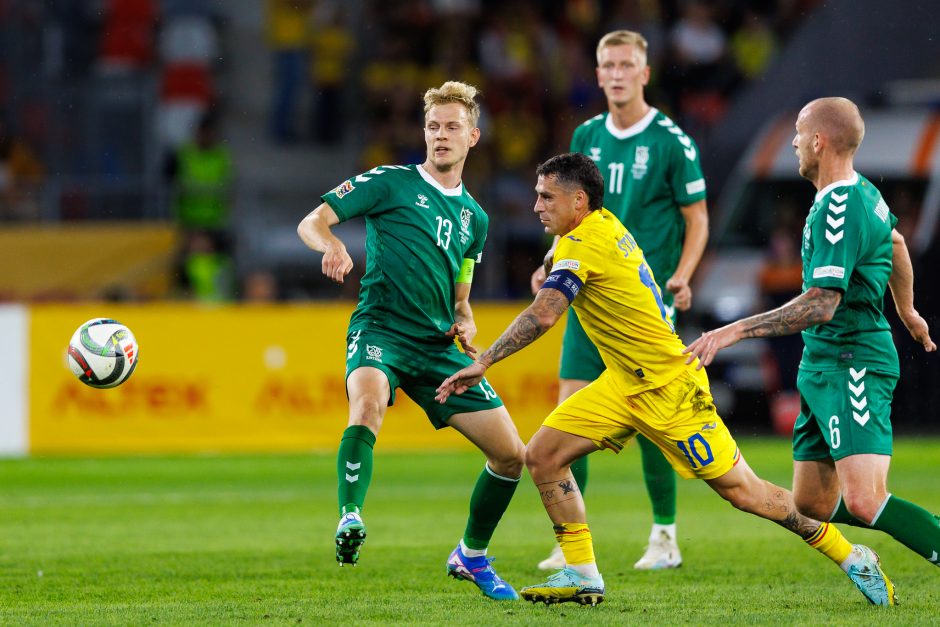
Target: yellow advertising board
point(244, 378)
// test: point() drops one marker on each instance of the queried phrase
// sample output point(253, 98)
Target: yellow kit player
point(646, 389)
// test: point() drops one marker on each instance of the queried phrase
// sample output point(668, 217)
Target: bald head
point(838, 119)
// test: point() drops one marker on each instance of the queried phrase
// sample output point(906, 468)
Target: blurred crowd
point(134, 128)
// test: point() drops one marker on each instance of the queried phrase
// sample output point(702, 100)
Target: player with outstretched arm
point(654, 185)
point(647, 388)
point(842, 439)
point(424, 233)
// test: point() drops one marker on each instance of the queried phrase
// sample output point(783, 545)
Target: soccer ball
point(103, 353)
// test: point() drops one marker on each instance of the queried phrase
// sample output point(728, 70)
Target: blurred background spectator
point(139, 112)
point(288, 30)
point(21, 173)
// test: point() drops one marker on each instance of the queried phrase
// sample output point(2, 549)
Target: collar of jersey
point(831, 186)
point(636, 129)
point(456, 191)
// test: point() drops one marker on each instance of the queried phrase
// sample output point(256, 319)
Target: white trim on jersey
point(636, 129)
point(846, 183)
point(456, 191)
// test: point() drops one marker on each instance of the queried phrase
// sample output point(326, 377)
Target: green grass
point(222, 540)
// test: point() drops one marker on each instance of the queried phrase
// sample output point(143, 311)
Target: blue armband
point(566, 282)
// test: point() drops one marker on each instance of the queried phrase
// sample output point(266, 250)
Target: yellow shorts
point(679, 417)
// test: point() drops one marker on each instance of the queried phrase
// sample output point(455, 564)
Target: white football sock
point(658, 530)
point(471, 552)
point(586, 570)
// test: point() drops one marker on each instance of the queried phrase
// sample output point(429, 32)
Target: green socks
point(911, 525)
point(579, 468)
point(489, 501)
point(660, 482)
point(354, 467)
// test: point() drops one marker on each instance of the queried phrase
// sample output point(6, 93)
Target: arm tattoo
point(523, 331)
point(528, 326)
point(810, 308)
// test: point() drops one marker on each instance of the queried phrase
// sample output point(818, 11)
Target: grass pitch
point(249, 539)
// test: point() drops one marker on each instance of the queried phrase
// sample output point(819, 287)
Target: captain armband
point(565, 281)
point(466, 271)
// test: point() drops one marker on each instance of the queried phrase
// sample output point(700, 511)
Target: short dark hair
point(576, 169)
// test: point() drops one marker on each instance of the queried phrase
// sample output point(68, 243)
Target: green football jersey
point(417, 235)
point(847, 247)
point(664, 174)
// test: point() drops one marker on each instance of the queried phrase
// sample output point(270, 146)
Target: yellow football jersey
point(601, 270)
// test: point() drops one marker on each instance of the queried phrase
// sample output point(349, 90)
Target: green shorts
point(418, 370)
point(580, 359)
point(842, 413)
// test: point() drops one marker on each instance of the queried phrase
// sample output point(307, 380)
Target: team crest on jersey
point(343, 188)
point(465, 217)
point(422, 201)
point(595, 153)
point(640, 159)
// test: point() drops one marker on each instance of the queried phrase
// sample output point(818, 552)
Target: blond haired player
point(425, 232)
point(647, 388)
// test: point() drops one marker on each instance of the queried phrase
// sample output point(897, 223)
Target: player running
point(424, 233)
point(655, 187)
point(647, 388)
point(842, 441)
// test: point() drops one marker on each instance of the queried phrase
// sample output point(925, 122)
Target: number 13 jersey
point(417, 235)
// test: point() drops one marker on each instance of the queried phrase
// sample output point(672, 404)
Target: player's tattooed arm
point(538, 318)
point(549, 305)
point(814, 306)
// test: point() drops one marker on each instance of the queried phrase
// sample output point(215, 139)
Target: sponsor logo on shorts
point(567, 264)
point(374, 352)
point(708, 426)
point(343, 188)
point(836, 272)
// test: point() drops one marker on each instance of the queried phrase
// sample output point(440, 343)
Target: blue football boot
point(480, 571)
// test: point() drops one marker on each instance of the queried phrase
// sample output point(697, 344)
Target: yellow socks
point(830, 542)
point(575, 542)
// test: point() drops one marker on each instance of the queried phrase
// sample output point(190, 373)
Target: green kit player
point(424, 232)
point(851, 254)
point(654, 185)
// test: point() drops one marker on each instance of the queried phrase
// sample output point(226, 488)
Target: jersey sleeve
point(571, 267)
point(357, 197)
point(685, 172)
point(835, 235)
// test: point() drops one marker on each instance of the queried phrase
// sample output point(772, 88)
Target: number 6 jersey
point(417, 235)
point(601, 270)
